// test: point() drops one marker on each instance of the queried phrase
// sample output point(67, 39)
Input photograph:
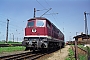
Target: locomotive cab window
point(30, 24)
point(48, 25)
point(40, 23)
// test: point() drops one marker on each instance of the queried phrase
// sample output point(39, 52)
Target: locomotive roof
point(43, 18)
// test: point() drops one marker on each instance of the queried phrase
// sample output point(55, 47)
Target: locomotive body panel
point(35, 31)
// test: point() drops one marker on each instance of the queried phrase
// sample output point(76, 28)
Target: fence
point(83, 53)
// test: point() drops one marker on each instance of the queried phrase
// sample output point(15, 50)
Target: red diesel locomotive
point(40, 34)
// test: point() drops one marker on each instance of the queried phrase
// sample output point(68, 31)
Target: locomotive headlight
point(33, 30)
point(25, 39)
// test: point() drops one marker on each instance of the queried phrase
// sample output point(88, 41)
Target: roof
point(82, 35)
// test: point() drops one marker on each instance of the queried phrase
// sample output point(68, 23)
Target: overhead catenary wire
point(3, 22)
point(3, 16)
point(54, 16)
point(10, 22)
point(12, 29)
point(40, 4)
point(11, 25)
point(49, 12)
point(45, 12)
point(52, 9)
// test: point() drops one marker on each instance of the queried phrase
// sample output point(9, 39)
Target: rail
point(22, 56)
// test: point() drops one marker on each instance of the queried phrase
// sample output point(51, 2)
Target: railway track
point(28, 55)
point(23, 56)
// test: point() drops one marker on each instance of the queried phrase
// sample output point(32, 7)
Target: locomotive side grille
point(34, 42)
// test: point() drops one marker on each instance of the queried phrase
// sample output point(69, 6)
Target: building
point(83, 38)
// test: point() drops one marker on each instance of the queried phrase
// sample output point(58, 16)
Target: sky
point(70, 17)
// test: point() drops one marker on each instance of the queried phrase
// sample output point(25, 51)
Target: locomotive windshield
point(40, 23)
point(30, 24)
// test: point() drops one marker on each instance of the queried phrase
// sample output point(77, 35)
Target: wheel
point(27, 48)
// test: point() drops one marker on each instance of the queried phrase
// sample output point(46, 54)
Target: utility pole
point(76, 49)
point(34, 12)
point(13, 37)
point(17, 39)
point(70, 37)
point(76, 33)
point(7, 31)
point(75, 46)
point(86, 29)
point(42, 10)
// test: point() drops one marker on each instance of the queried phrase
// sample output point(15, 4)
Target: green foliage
point(68, 58)
point(71, 52)
point(88, 49)
point(70, 55)
point(82, 57)
point(81, 46)
point(10, 42)
point(11, 49)
point(2, 42)
point(85, 48)
point(14, 42)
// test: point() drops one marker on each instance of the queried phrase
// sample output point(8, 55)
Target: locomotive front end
point(35, 34)
point(35, 43)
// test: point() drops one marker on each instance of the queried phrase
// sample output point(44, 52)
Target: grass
point(85, 48)
point(81, 46)
point(82, 57)
point(11, 49)
point(10, 42)
point(70, 55)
